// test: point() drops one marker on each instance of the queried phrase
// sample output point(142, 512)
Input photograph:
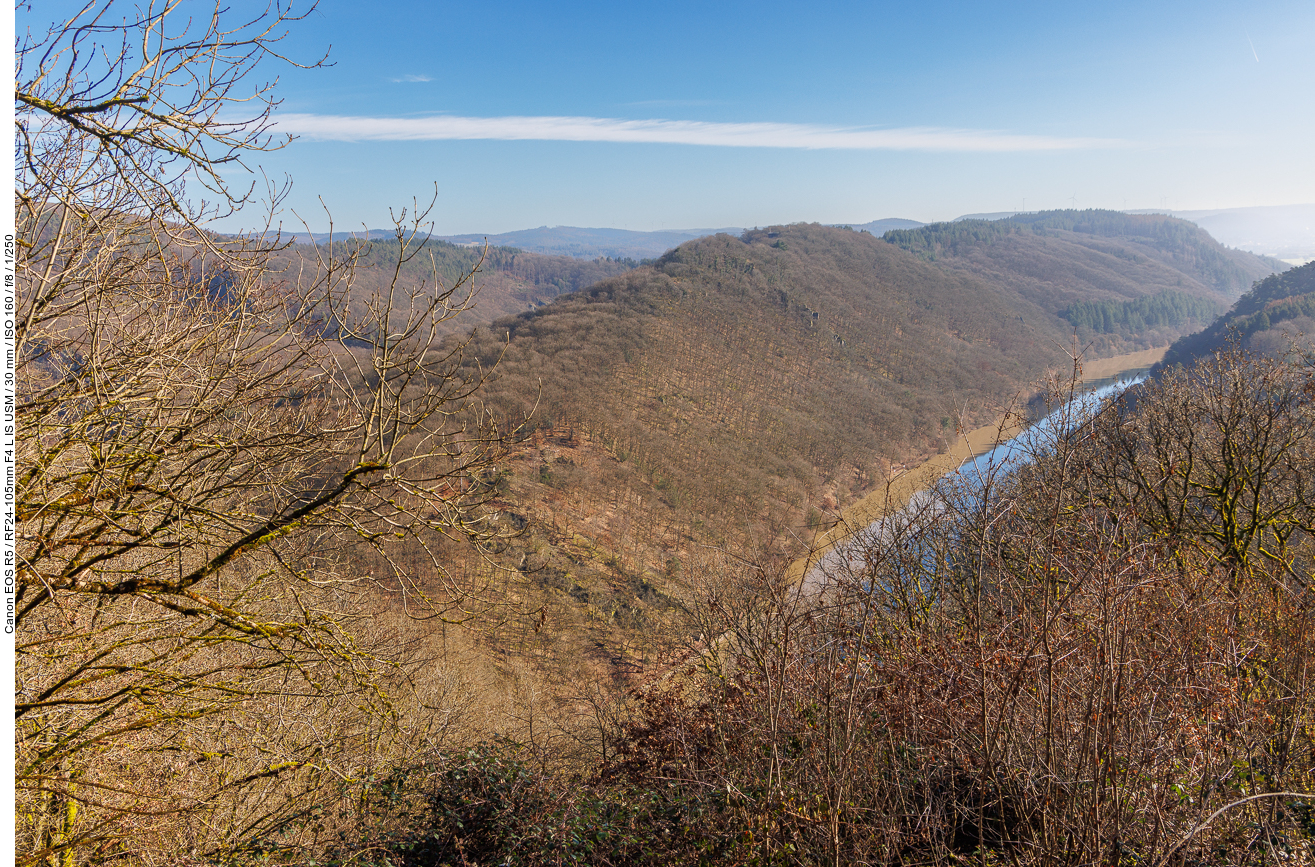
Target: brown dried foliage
point(1054, 674)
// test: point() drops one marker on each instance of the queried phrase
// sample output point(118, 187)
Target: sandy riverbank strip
point(896, 493)
point(1104, 368)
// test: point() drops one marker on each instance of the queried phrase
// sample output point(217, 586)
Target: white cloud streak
point(686, 132)
point(411, 79)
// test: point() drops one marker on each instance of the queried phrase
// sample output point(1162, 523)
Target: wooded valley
point(397, 552)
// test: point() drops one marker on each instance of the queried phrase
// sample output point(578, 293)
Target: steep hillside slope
point(1279, 310)
point(746, 375)
point(737, 392)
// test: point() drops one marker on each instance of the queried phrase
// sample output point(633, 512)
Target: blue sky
point(681, 115)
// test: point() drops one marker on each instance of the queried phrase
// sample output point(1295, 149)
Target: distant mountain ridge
point(1283, 232)
point(508, 281)
point(1123, 281)
point(578, 242)
point(881, 227)
point(590, 243)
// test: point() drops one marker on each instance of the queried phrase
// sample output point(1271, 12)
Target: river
point(970, 480)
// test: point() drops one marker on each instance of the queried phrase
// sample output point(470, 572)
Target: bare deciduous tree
point(218, 464)
point(1069, 663)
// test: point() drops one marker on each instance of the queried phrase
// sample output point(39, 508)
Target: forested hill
point(1121, 280)
point(1278, 311)
point(1143, 278)
point(738, 372)
point(739, 390)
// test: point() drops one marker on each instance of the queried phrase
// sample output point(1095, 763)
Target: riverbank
point(897, 492)
point(1104, 368)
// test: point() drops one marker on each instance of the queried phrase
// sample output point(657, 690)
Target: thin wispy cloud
point(411, 79)
point(686, 132)
point(667, 103)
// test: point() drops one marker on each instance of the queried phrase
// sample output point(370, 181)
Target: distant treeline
point(1171, 241)
point(508, 280)
point(1130, 317)
point(928, 242)
point(1167, 233)
point(451, 261)
point(1164, 230)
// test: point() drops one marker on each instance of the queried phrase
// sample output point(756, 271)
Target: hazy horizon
point(1283, 231)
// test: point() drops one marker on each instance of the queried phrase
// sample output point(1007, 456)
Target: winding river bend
point(844, 553)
